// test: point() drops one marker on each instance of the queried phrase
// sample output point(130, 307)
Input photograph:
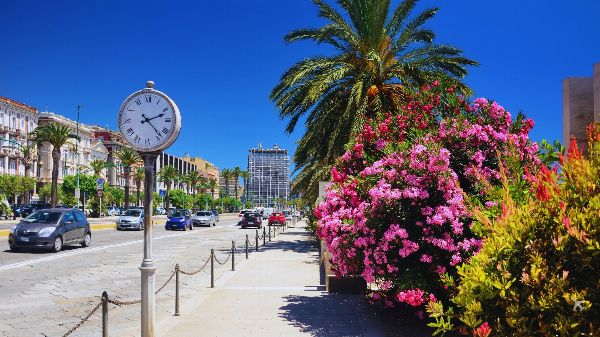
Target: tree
point(87, 185)
point(377, 52)
point(128, 158)
point(213, 184)
point(235, 174)
point(167, 175)
point(97, 166)
point(226, 173)
point(193, 178)
point(56, 135)
point(138, 177)
point(245, 176)
point(28, 151)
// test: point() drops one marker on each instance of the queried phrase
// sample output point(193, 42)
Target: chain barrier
point(222, 263)
point(84, 319)
point(197, 271)
point(232, 251)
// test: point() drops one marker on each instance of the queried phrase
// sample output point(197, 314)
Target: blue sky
point(219, 60)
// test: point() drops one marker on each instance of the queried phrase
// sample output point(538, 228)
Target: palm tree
point(168, 175)
point(56, 135)
point(245, 176)
point(235, 174)
point(193, 179)
point(97, 166)
point(203, 184)
point(226, 173)
point(213, 184)
point(376, 52)
point(138, 177)
point(128, 158)
point(27, 151)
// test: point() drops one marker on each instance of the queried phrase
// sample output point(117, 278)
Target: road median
point(94, 227)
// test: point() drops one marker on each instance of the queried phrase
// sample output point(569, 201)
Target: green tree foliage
point(230, 204)
point(179, 199)
point(168, 175)
point(11, 186)
point(203, 201)
point(129, 158)
point(377, 50)
point(87, 185)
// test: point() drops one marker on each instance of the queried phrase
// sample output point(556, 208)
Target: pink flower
point(483, 330)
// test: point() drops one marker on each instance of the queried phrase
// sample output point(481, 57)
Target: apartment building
point(269, 175)
point(17, 120)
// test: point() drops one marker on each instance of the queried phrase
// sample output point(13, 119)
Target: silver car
point(132, 218)
point(204, 218)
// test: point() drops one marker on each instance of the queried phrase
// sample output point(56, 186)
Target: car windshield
point(177, 214)
point(276, 214)
point(132, 212)
point(203, 213)
point(43, 217)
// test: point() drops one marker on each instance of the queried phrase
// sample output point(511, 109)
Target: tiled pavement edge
point(279, 292)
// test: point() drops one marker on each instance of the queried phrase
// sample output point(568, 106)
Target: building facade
point(182, 166)
point(17, 120)
point(269, 175)
point(206, 169)
point(581, 106)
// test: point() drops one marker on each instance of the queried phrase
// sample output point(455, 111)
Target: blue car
point(179, 219)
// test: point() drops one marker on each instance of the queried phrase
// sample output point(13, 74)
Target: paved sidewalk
point(277, 292)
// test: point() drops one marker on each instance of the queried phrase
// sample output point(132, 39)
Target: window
point(68, 217)
point(79, 216)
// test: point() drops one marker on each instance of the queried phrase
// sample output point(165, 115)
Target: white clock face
point(149, 120)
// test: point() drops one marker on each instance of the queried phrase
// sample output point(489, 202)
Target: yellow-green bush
point(538, 272)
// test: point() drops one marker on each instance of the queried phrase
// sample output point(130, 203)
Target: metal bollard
point(256, 241)
point(247, 246)
point(212, 268)
point(270, 233)
point(177, 289)
point(264, 236)
point(232, 255)
point(104, 314)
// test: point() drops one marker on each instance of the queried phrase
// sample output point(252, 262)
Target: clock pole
point(148, 268)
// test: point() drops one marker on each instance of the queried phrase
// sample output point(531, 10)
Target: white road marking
point(87, 250)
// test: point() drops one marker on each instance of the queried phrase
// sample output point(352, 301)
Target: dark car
point(26, 210)
point(16, 208)
point(179, 219)
point(252, 219)
point(216, 213)
point(51, 229)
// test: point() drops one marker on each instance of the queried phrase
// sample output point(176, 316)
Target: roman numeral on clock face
point(138, 101)
point(148, 99)
point(168, 120)
point(165, 131)
point(147, 142)
point(136, 139)
point(130, 131)
point(128, 120)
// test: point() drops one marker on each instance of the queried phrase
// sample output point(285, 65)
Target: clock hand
point(147, 120)
point(159, 115)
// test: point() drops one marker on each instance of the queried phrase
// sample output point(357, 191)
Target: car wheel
point(87, 240)
point(243, 227)
point(14, 249)
point(58, 244)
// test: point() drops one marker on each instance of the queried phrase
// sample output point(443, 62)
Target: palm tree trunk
point(168, 202)
point(26, 193)
point(54, 186)
point(236, 187)
point(127, 173)
point(227, 187)
point(138, 185)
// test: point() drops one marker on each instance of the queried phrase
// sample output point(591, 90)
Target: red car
point(277, 218)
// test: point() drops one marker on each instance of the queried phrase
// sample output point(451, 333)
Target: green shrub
point(538, 273)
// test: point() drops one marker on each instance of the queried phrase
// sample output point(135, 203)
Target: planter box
point(340, 285)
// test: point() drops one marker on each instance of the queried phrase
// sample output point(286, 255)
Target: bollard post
point(177, 289)
point(212, 268)
point(256, 241)
point(232, 255)
point(269, 233)
point(264, 236)
point(104, 314)
point(247, 246)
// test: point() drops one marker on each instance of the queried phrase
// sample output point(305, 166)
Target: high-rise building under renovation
point(269, 176)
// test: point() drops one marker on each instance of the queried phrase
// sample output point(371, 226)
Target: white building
point(17, 120)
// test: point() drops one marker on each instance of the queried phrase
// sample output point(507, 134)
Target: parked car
point(29, 209)
point(267, 211)
point(252, 219)
point(16, 208)
point(277, 218)
point(87, 210)
point(113, 211)
point(288, 214)
point(132, 218)
point(160, 210)
point(51, 229)
point(216, 213)
point(179, 219)
point(203, 218)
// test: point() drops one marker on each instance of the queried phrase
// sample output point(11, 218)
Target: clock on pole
point(150, 122)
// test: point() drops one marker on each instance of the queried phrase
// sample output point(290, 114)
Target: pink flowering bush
point(396, 212)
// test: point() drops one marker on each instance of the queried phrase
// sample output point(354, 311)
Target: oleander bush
point(396, 212)
point(538, 272)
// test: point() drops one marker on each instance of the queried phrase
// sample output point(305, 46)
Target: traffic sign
point(99, 193)
point(100, 182)
point(162, 193)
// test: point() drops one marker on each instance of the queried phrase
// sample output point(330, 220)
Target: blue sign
point(100, 182)
point(162, 193)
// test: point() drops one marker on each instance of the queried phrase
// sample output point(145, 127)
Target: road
point(44, 294)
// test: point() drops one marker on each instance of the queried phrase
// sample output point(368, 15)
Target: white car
point(132, 218)
point(288, 215)
point(114, 211)
point(204, 218)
